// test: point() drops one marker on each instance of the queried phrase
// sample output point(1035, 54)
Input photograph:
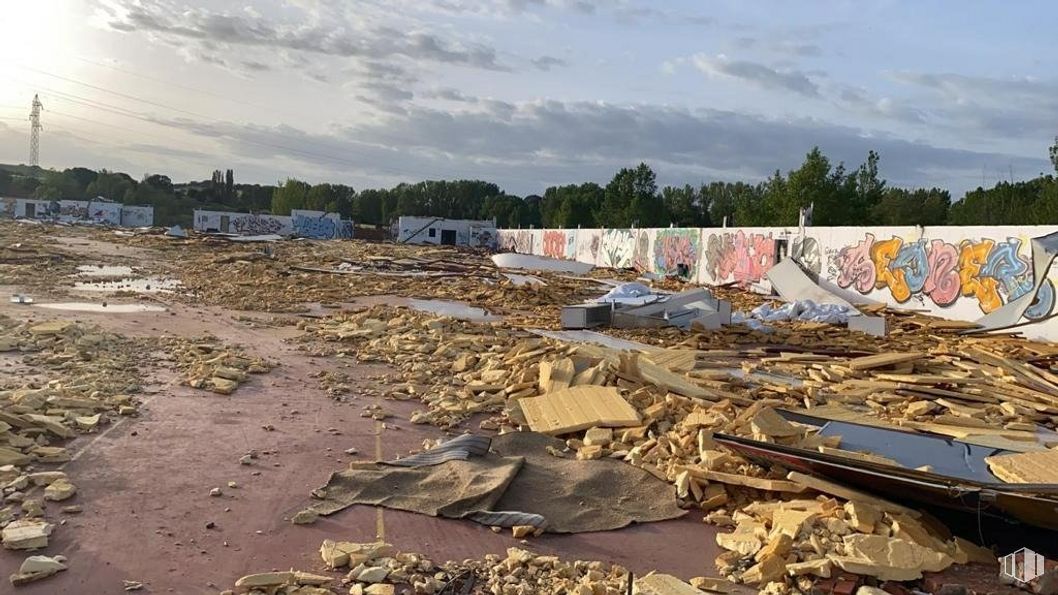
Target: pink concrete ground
point(144, 483)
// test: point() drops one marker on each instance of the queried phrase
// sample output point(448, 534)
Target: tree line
point(632, 198)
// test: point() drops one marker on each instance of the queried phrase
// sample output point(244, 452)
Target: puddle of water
point(453, 309)
point(144, 285)
point(109, 308)
point(103, 270)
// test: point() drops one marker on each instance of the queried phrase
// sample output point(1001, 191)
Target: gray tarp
point(518, 475)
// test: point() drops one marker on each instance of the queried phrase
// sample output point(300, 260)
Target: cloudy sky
point(531, 93)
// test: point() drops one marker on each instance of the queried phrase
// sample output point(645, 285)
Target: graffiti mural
point(993, 273)
point(520, 241)
point(588, 242)
point(256, 225)
point(560, 244)
point(641, 258)
point(676, 251)
point(743, 258)
point(617, 248)
point(9, 207)
point(321, 228)
point(806, 250)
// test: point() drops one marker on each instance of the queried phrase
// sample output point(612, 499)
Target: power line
point(185, 87)
point(123, 95)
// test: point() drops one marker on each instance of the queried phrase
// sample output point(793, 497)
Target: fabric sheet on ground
point(518, 482)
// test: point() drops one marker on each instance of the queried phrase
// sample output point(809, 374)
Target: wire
point(185, 87)
point(123, 95)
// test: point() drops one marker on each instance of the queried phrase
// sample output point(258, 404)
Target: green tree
point(573, 205)
point(290, 195)
point(631, 199)
point(111, 185)
point(687, 206)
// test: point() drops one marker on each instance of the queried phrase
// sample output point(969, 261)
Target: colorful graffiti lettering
point(641, 258)
point(855, 267)
point(993, 273)
point(675, 249)
point(743, 258)
point(555, 244)
point(617, 247)
point(256, 225)
point(321, 228)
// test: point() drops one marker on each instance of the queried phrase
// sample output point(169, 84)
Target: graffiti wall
point(301, 223)
point(137, 216)
point(588, 242)
point(742, 256)
point(68, 211)
point(676, 252)
point(935, 272)
point(318, 225)
point(515, 240)
point(617, 248)
point(560, 243)
point(960, 273)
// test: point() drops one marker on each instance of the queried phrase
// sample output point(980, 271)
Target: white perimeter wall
point(300, 223)
point(960, 273)
point(65, 211)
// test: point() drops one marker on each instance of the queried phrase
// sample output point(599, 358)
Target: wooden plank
point(881, 360)
point(556, 375)
point(578, 408)
point(759, 483)
point(828, 487)
point(928, 379)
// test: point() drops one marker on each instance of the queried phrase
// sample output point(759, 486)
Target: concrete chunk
point(26, 535)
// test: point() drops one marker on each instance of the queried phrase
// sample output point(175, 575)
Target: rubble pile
point(286, 277)
point(209, 365)
point(378, 569)
point(455, 367)
point(785, 527)
point(77, 380)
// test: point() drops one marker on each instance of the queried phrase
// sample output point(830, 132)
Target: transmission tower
point(34, 133)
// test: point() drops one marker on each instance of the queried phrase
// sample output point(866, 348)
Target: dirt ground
point(144, 482)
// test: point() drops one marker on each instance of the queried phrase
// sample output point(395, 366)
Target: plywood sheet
point(578, 408)
point(1026, 467)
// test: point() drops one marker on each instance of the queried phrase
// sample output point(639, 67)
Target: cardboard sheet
point(578, 408)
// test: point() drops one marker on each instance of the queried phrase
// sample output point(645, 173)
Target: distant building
point(300, 223)
point(99, 211)
point(452, 232)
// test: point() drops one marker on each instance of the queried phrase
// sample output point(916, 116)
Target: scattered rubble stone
point(35, 568)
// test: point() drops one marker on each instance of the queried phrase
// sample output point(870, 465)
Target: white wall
point(137, 216)
point(955, 272)
point(417, 230)
point(242, 223)
point(66, 211)
point(300, 223)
